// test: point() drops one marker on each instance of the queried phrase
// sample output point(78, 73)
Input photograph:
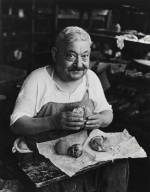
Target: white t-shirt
point(39, 88)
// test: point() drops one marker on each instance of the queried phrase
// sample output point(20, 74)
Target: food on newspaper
point(61, 147)
point(75, 150)
point(96, 143)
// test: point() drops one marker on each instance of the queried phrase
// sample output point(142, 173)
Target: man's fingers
point(71, 121)
point(74, 124)
point(92, 122)
point(72, 117)
point(73, 114)
point(93, 126)
point(71, 128)
point(93, 117)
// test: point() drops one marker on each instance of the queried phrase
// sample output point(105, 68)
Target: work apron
point(110, 178)
point(53, 109)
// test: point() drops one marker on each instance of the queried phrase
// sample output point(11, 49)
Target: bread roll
point(75, 150)
point(96, 143)
point(61, 147)
point(79, 110)
point(83, 111)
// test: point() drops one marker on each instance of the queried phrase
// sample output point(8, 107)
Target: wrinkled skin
point(71, 120)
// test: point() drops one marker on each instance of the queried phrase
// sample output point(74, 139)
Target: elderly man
point(49, 94)
point(67, 83)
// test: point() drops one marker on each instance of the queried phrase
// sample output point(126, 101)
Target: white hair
point(72, 33)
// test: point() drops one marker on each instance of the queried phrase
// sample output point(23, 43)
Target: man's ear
point(54, 52)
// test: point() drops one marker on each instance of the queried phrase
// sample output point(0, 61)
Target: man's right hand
point(71, 120)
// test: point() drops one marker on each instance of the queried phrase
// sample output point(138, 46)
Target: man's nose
point(78, 61)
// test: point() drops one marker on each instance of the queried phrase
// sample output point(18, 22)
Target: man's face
point(72, 60)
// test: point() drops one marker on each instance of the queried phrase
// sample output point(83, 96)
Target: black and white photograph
point(74, 95)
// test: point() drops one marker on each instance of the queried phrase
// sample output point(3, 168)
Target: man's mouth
point(77, 69)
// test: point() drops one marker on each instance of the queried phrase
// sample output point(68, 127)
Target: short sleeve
point(26, 100)
point(96, 93)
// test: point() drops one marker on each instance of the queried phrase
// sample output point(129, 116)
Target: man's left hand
point(94, 121)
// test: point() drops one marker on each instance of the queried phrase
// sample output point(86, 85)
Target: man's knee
point(115, 176)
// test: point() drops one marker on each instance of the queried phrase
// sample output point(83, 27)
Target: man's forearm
point(107, 117)
point(30, 126)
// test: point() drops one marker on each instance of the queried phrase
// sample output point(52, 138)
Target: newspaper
point(119, 145)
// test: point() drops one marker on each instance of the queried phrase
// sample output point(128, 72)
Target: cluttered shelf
point(129, 94)
point(128, 74)
point(129, 39)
